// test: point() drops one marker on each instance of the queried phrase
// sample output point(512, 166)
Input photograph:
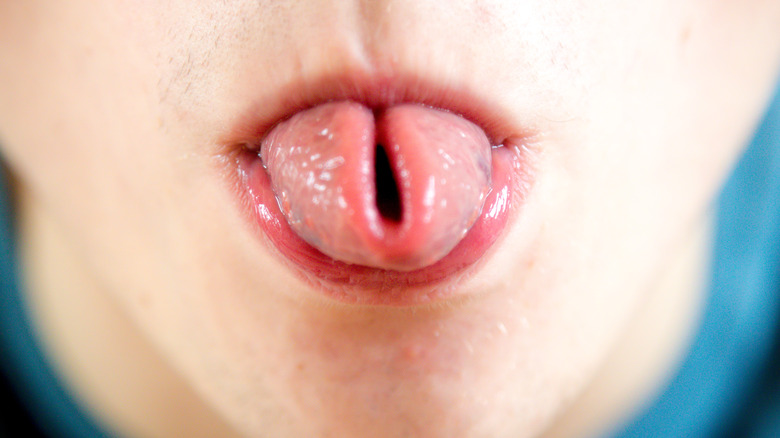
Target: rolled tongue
point(394, 189)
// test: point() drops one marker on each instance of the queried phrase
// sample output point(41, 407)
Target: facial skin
point(118, 118)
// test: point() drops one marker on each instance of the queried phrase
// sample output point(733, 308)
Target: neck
point(650, 349)
point(95, 349)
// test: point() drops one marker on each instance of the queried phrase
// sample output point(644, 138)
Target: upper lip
point(376, 90)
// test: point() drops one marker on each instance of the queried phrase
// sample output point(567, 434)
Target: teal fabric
point(23, 361)
point(727, 386)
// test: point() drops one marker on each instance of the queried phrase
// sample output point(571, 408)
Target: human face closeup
point(136, 128)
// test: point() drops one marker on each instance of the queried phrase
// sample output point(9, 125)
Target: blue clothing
point(21, 358)
point(729, 384)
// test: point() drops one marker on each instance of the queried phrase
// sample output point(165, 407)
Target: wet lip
point(512, 177)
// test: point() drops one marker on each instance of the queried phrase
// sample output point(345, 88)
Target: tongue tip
point(405, 246)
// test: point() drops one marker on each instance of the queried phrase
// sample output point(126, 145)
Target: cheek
point(84, 131)
point(85, 136)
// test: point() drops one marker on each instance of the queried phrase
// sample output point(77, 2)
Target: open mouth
point(382, 202)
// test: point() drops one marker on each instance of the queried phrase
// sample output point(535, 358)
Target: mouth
point(372, 230)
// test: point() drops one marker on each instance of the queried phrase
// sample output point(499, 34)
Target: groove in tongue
point(395, 189)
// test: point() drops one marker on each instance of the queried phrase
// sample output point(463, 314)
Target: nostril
point(388, 199)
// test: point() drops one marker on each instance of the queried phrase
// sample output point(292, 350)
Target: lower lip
point(362, 285)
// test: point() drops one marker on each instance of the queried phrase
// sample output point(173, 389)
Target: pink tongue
point(396, 189)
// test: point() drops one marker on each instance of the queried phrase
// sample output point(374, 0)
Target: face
point(125, 119)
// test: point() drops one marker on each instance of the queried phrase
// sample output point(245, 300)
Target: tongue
point(395, 189)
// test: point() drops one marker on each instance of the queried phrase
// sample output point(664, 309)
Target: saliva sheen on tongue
point(396, 189)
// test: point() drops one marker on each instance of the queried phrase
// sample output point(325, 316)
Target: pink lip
point(512, 177)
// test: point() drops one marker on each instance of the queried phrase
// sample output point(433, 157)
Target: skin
point(145, 278)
